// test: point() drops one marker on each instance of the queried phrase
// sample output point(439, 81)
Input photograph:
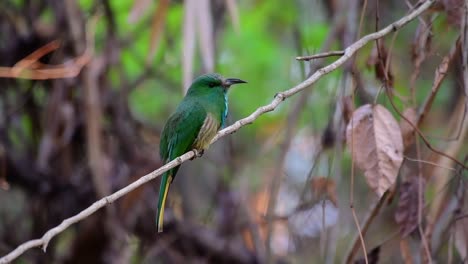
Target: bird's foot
point(198, 153)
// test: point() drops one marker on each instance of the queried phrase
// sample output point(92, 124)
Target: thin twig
point(321, 55)
point(430, 163)
point(464, 40)
point(278, 99)
point(439, 76)
point(25, 68)
point(293, 118)
point(375, 209)
point(424, 239)
point(30, 67)
point(360, 235)
point(444, 65)
point(361, 19)
point(424, 139)
point(351, 205)
point(31, 59)
point(425, 244)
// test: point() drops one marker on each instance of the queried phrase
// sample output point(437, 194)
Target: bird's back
point(181, 129)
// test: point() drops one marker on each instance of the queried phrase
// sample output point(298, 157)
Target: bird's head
point(212, 82)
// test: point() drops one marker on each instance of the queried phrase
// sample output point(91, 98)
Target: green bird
point(195, 122)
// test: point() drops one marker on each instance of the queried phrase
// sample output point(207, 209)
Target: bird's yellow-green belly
point(207, 132)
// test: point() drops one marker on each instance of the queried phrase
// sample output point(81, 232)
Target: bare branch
point(278, 99)
point(321, 55)
point(439, 76)
point(31, 68)
point(373, 212)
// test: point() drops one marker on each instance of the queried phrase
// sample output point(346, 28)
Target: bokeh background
point(119, 68)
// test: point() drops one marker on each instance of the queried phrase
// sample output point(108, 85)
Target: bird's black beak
point(230, 81)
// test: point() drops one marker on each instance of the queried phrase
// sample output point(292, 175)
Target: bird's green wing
point(177, 137)
point(181, 130)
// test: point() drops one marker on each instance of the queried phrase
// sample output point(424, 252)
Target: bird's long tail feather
point(163, 190)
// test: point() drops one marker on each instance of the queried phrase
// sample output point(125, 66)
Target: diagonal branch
point(278, 99)
point(321, 55)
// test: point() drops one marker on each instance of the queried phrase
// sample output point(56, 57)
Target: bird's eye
point(211, 85)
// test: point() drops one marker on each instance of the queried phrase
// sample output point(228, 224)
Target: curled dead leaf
point(374, 138)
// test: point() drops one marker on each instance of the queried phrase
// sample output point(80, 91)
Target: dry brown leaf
point(407, 131)
point(461, 237)
point(406, 214)
point(375, 139)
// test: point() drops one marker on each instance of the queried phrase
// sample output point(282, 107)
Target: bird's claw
point(198, 153)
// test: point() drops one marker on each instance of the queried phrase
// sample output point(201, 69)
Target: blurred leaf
point(314, 36)
point(150, 102)
point(138, 9)
point(205, 29)
point(188, 52)
point(233, 13)
point(157, 28)
point(375, 139)
point(198, 19)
